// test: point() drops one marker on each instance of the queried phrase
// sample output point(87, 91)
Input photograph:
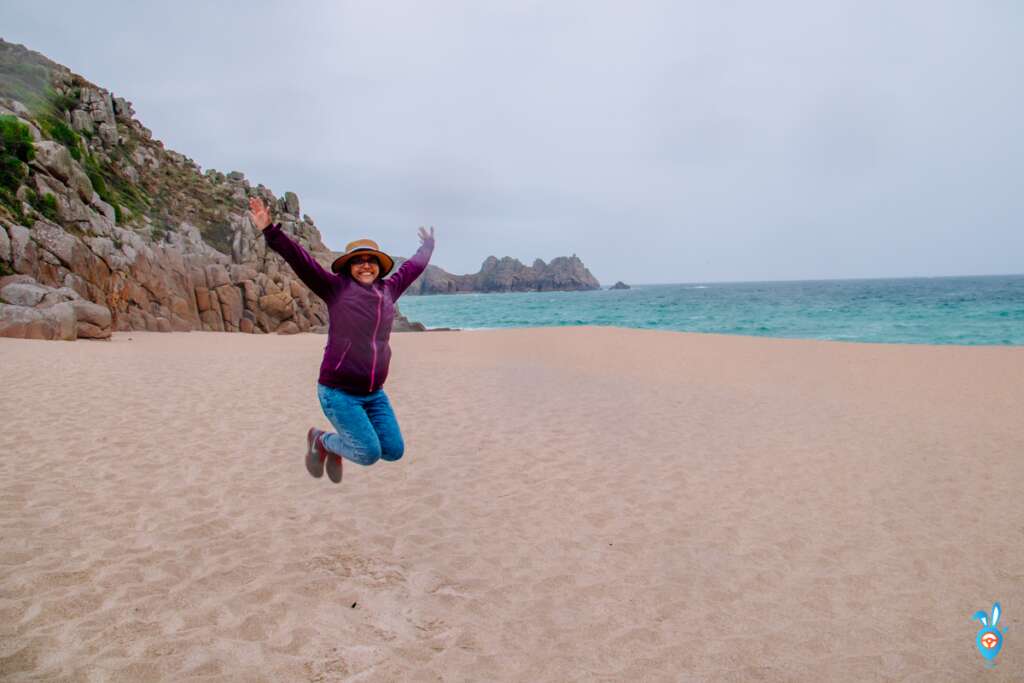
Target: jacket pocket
point(344, 352)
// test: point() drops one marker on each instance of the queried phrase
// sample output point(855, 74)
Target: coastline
point(938, 311)
point(575, 502)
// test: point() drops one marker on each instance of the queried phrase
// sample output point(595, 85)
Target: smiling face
point(364, 269)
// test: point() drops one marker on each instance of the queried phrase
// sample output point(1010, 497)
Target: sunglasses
point(364, 259)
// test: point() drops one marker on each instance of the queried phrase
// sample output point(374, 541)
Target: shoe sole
point(334, 468)
point(314, 463)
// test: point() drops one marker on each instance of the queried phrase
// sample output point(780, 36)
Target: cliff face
point(510, 275)
point(103, 228)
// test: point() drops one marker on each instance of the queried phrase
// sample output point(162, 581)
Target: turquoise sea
point(942, 310)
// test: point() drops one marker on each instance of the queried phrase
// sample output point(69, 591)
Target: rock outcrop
point(96, 214)
point(509, 275)
point(33, 311)
point(620, 285)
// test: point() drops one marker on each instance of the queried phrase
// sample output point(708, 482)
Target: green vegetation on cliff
point(46, 205)
point(16, 151)
point(151, 190)
point(55, 129)
point(25, 79)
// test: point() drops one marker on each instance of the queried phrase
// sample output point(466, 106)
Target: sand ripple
point(575, 504)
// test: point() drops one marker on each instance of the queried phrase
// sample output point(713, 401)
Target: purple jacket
point(357, 355)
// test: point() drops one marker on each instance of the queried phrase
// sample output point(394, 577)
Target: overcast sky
point(660, 142)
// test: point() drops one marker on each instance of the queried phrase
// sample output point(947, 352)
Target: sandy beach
point(574, 504)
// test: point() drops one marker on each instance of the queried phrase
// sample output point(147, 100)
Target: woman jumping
point(361, 308)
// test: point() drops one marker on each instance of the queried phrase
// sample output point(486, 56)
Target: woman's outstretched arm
point(305, 266)
point(411, 269)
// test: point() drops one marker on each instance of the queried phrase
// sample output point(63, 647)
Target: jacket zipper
point(373, 340)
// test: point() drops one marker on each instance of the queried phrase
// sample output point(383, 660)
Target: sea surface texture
point(946, 310)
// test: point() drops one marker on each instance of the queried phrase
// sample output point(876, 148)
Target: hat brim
point(386, 262)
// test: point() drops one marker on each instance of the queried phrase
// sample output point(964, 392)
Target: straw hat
point(364, 247)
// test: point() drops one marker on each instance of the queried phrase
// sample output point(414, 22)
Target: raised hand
point(259, 213)
point(424, 235)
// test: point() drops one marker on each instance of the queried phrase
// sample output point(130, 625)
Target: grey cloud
point(659, 141)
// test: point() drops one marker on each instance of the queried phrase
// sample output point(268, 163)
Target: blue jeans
point(366, 425)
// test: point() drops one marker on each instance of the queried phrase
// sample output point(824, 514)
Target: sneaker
point(333, 463)
point(315, 453)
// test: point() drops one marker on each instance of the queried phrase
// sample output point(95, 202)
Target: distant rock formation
point(620, 285)
point(509, 275)
point(96, 214)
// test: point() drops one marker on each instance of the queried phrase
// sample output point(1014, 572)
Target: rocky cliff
point(103, 228)
point(509, 275)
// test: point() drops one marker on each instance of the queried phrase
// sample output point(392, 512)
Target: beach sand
point(574, 504)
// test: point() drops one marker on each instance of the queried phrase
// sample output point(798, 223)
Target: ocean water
point(944, 310)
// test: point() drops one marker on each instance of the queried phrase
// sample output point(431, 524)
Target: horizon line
point(831, 279)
